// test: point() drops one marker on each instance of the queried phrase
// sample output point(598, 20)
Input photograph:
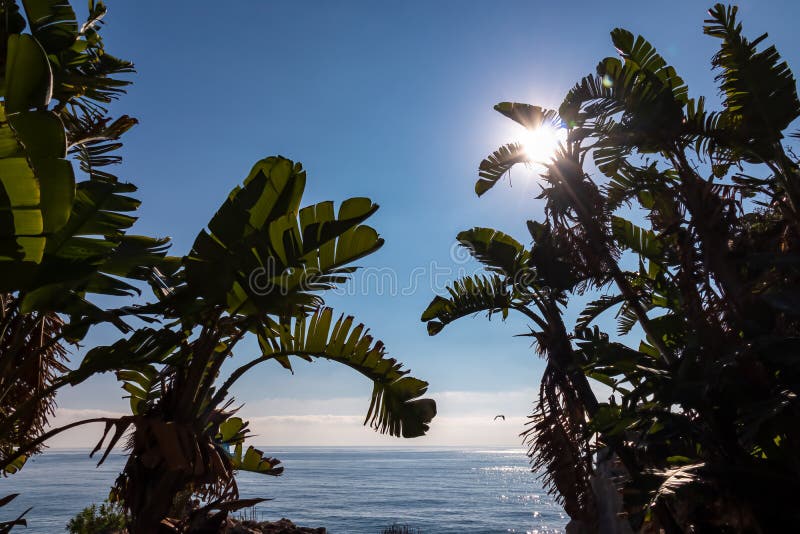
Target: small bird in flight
point(503, 417)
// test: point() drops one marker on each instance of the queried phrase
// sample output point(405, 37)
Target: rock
point(283, 526)
point(240, 528)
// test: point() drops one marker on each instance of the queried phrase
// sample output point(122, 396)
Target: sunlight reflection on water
point(347, 490)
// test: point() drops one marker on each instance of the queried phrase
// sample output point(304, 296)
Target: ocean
point(346, 490)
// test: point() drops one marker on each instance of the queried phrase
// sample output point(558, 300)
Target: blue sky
point(390, 100)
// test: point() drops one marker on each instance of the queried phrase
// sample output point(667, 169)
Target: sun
point(540, 143)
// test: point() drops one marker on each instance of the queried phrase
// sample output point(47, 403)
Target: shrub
point(106, 519)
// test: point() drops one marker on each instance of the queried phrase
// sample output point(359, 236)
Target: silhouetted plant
point(257, 271)
point(61, 239)
point(704, 417)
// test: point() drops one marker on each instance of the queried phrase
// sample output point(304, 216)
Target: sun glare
point(541, 143)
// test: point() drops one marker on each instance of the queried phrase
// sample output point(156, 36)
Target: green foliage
point(704, 415)
point(108, 518)
point(257, 271)
point(395, 407)
point(63, 235)
point(499, 252)
point(497, 164)
point(468, 296)
point(759, 90)
point(57, 233)
point(260, 229)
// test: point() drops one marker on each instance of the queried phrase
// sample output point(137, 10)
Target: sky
point(389, 100)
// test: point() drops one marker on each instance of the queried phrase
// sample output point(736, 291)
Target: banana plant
point(258, 270)
point(703, 418)
point(62, 238)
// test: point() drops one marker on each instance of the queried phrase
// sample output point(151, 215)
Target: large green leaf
point(223, 255)
point(262, 253)
point(37, 186)
point(396, 407)
point(53, 23)
point(253, 460)
point(29, 80)
point(37, 183)
point(232, 433)
point(141, 383)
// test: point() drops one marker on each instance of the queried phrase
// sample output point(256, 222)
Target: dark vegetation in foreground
point(110, 518)
point(257, 271)
point(106, 518)
point(690, 236)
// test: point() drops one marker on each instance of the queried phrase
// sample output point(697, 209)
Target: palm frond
point(91, 253)
point(497, 164)
point(758, 86)
point(93, 139)
point(531, 117)
point(32, 360)
point(628, 181)
point(558, 445)
point(261, 250)
point(594, 308)
point(20, 521)
point(468, 296)
point(638, 51)
point(145, 346)
point(143, 385)
point(626, 319)
point(53, 23)
point(396, 407)
point(86, 76)
point(676, 478)
point(499, 252)
point(253, 460)
point(651, 101)
point(644, 242)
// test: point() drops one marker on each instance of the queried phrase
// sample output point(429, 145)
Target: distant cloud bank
point(466, 419)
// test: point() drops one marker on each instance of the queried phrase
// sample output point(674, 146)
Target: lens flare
point(541, 143)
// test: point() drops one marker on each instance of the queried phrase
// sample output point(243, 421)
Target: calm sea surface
point(345, 490)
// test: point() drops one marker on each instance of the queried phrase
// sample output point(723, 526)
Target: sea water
point(346, 490)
